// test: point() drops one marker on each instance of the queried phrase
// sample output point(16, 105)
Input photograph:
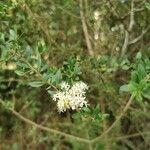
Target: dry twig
point(140, 36)
point(85, 30)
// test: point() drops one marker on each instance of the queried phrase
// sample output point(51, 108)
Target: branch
point(125, 44)
point(140, 36)
point(116, 121)
point(85, 30)
point(90, 142)
point(32, 68)
point(134, 10)
point(132, 135)
point(131, 24)
point(132, 21)
point(126, 40)
point(30, 122)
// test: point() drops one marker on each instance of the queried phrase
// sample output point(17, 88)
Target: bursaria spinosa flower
point(71, 97)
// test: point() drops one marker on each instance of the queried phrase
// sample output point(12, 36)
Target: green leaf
point(141, 72)
point(133, 86)
point(146, 93)
point(142, 85)
point(105, 116)
point(76, 116)
point(96, 110)
point(22, 65)
point(134, 76)
point(147, 5)
point(19, 73)
point(51, 92)
point(13, 35)
point(36, 84)
point(139, 96)
point(139, 55)
point(86, 109)
point(125, 88)
point(125, 67)
point(57, 77)
point(8, 104)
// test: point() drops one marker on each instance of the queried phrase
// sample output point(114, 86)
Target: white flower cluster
point(71, 97)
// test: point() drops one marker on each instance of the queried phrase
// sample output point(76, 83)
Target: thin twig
point(25, 106)
point(33, 69)
point(48, 129)
point(131, 24)
point(125, 44)
point(134, 10)
point(132, 21)
point(140, 36)
point(85, 30)
point(14, 80)
point(132, 135)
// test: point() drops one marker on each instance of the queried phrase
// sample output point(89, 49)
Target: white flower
point(71, 97)
point(96, 36)
point(11, 66)
point(96, 15)
point(65, 86)
point(63, 105)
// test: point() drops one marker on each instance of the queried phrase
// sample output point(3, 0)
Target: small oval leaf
point(36, 84)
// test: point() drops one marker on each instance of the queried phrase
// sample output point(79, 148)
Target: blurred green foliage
point(43, 43)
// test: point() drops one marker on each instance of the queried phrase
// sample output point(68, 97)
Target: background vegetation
point(105, 43)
